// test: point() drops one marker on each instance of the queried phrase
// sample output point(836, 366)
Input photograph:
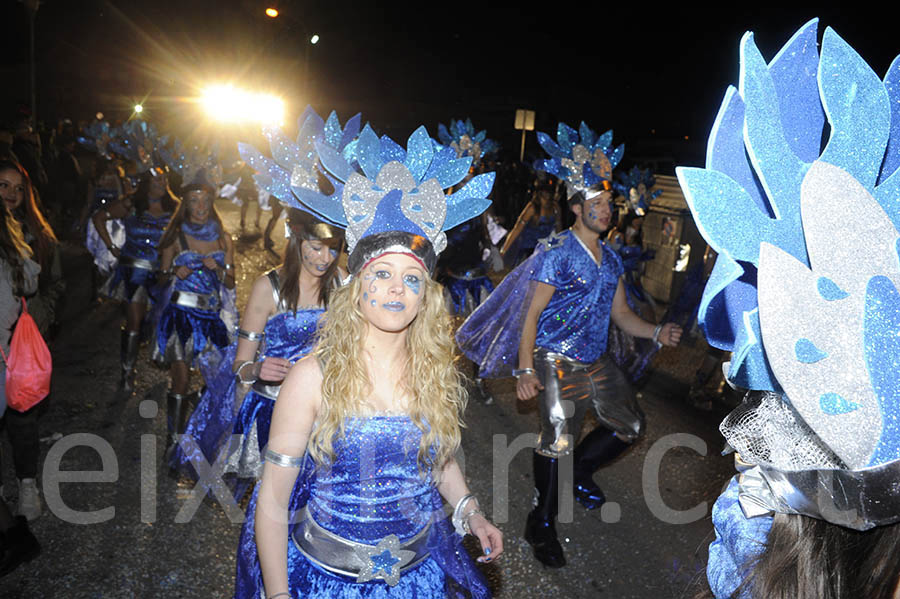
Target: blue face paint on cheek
point(373, 302)
point(414, 285)
point(365, 295)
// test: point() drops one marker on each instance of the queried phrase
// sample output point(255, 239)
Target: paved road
point(131, 534)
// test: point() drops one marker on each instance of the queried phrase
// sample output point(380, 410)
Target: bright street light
point(272, 12)
point(314, 39)
point(231, 104)
point(138, 108)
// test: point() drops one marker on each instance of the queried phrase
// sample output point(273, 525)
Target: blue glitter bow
point(461, 136)
point(581, 158)
point(805, 288)
point(295, 164)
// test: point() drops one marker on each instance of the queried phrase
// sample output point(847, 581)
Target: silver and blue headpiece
point(135, 140)
point(296, 164)
point(197, 167)
point(635, 185)
point(805, 289)
point(396, 201)
point(581, 158)
point(96, 137)
point(462, 137)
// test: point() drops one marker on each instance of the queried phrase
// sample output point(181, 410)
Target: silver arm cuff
point(250, 335)
point(285, 461)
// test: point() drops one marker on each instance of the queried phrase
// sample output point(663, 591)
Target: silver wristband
point(250, 335)
point(520, 371)
point(656, 332)
point(240, 375)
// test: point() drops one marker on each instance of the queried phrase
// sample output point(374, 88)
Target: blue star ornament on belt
point(384, 561)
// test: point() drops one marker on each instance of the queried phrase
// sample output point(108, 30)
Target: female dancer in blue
point(146, 216)
point(538, 220)
point(197, 250)
point(277, 328)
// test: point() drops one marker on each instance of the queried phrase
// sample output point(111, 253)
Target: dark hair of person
point(808, 558)
point(170, 235)
point(13, 248)
point(32, 218)
point(304, 226)
point(141, 198)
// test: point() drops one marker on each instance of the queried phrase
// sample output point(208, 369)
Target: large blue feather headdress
point(461, 136)
point(805, 289)
point(581, 158)
point(96, 137)
point(296, 164)
point(396, 201)
point(135, 140)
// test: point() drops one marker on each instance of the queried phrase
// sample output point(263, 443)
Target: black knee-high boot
point(540, 529)
point(600, 447)
point(177, 406)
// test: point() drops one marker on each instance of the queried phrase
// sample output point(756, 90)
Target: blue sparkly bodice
point(201, 280)
point(375, 487)
point(290, 334)
point(575, 322)
point(142, 235)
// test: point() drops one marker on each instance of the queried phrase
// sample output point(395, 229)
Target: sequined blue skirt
point(131, 284)
point(183, 333)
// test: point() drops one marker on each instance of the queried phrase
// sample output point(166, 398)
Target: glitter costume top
point(142, 234)
point(201, 280)
point(373, 489)
point(288, 334)
point(575, 322)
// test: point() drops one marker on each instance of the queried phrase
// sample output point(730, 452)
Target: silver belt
point(189, 299)
point(266, 390)
point(543, 354)
point(384, 561)
point(138, 263)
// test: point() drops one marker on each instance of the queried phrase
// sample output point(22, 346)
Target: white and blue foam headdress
point(635, 185)
point(197, 167)
point(805, 289)
point(396, 201)
point(462, 137)
point(581, 158)
point(135, 140)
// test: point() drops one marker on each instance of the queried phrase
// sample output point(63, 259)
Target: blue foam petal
point(835, 405)
point(794, 74)
point(881, 347)
point(368, 153)
point(419, 152)
point(892, 155)
point(351, 130)
point(391, 150)
point(807, 352)
point(588, 137)
point(604, 141)
point(470, 201)
point(566, 137)
point(714, 199)
point(749, 367)
point(548, 166)
point(333, 130)
point(449, 173)
point(479, 137)
point(829, 290)
point(725, 298)
point(327, 207)
point(550, 146)
point(725, 151)
point(780, 171)
point(858, 109)
point(888, 195)
point(333, 161)
point(285, 152)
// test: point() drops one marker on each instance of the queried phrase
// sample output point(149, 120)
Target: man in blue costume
point(574, 284)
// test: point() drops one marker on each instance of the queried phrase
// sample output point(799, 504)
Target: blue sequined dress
point(221, 412)
point(373, 489)
point(185, 332)
point(462, 268)
point(134, 277)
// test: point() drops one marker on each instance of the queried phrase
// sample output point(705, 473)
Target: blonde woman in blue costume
point(365, 429)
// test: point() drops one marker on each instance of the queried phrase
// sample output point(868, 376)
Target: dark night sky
point(634, 68)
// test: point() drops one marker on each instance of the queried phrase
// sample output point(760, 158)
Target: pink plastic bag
point(28, 366)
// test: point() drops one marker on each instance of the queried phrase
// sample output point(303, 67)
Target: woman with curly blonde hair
point(371, 422)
